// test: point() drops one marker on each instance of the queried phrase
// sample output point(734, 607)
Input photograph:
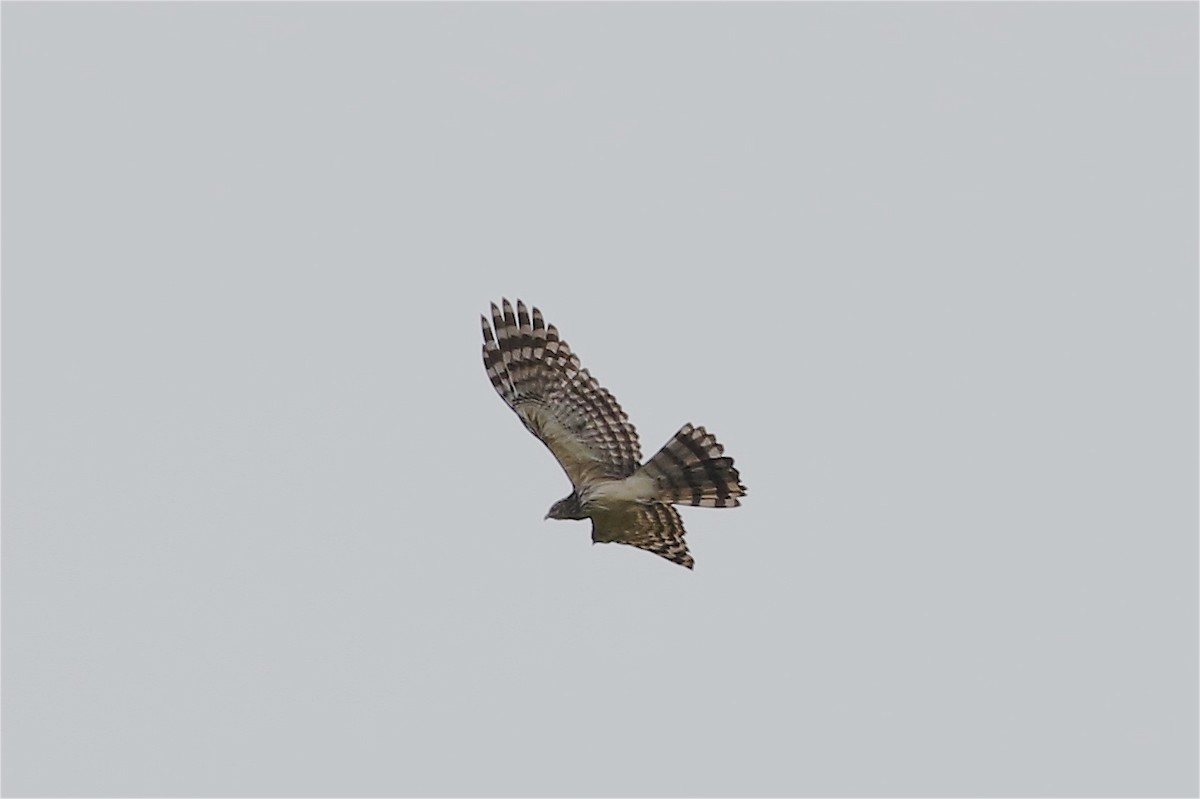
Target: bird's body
point(629, 502)
point(610, 494)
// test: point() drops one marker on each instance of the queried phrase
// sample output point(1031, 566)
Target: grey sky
point(928, 271)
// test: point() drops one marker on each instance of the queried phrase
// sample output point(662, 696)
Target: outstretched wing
point(536, 373)
point(654, 527)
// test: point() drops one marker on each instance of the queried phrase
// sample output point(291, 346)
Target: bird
point(628, 502)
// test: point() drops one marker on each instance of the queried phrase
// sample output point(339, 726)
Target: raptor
point(628, 502)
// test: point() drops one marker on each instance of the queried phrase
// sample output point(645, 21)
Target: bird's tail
point(690, 470)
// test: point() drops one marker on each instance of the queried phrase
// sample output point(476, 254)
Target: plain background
point(928, 271)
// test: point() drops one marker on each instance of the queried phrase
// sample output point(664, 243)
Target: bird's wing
point(535, 372)
point(654, 527)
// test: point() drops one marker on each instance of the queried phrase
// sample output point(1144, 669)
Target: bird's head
point(567, 508)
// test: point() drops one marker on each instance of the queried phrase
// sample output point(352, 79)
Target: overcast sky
point(929, 272)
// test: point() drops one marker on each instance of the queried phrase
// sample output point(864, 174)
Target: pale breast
point(611, 494)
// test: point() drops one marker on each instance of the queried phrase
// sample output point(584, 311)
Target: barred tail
point(690, 470)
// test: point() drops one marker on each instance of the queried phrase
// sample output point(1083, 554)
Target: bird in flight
point(629, 502)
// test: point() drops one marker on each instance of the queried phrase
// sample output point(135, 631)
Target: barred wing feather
point(654, 527)
point(535, 372)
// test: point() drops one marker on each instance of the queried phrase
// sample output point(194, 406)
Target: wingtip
point(489, 338)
